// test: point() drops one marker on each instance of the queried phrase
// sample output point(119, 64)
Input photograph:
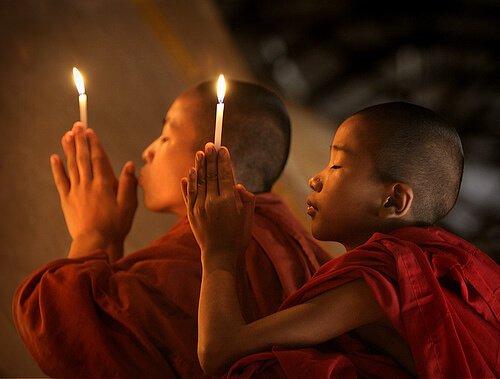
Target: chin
point(320, 235)
point(152, 205)
point(325, 235)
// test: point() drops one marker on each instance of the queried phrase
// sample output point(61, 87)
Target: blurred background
point(336, 57)
point(327, 59)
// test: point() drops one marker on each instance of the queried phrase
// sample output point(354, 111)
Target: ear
point(397, 202)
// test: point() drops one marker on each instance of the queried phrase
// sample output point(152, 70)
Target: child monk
point(407, 299)
point(97, 314)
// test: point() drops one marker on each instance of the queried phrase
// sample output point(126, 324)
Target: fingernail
point(223, 152)
point(130, 169)
point(68, 136)
point(199, 156)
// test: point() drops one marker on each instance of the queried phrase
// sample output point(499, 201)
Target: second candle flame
point(221, 88)
point(78, 81)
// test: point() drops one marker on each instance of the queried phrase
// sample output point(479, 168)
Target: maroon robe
point(440, 293)
point(137, 317)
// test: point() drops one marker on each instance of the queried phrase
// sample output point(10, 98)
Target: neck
point(179, 211)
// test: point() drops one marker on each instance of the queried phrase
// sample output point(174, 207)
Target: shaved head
point(256, 130)
point(416, 146)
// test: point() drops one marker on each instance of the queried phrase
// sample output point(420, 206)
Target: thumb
point(127, 187)
point(245, 195)
point(248, 205)
point(184, 188)
point(247, 200)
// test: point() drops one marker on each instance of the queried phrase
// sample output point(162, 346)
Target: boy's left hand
point(220, 212)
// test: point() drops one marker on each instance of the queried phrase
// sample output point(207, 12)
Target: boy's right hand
point(98, 209)
point(220, 213)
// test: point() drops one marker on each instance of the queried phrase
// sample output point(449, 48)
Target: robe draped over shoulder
point(137, 317)
point(439, 292)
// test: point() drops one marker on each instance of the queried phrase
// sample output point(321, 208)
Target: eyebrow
point(342, 148)
point(168, 121)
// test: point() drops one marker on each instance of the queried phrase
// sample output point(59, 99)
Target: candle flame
point(221, 88)
point(78, 81)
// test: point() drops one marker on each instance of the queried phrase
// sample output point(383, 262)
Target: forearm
point(72, 323)
point(219, 316)
point(53, 299)
point(224, 336)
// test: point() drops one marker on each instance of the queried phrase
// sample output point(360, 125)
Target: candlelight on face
point(221, 92)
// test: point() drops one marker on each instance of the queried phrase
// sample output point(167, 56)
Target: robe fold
point(137, 317)
point(439, 292)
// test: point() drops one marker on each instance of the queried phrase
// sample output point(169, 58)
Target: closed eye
point(163, 139)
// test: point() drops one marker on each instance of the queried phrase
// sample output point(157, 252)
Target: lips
point(311, 208)
point(140, 180)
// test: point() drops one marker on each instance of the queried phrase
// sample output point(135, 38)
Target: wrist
point(86, 244)
point(219, 260)
point(115, 251)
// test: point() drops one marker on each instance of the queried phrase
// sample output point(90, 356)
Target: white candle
point(221, 91)
point(82, 97)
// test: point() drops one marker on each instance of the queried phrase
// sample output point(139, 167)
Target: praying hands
point(98, 208)
point(219, 211)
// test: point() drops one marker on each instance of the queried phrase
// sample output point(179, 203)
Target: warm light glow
point(221, 88)
point(78, 81)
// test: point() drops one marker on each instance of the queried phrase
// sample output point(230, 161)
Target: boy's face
point(347, 195)
point(169, 157)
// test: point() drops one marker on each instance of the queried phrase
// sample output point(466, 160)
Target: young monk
point(407, 299)
point(99, 314)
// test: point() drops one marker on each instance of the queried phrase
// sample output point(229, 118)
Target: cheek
point(160, 179)
point(173, 169)
point(342, 199)
point(184, 159)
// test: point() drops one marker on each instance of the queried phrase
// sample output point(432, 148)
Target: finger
point(101, 167)
point(225, 171)
point(200, 179)
point(76, 125)
point(59, 174)
point(68, 144)
point(211, 169)
point(192, 188)
point(127, 188)
point(184, 189)
point(82, 155)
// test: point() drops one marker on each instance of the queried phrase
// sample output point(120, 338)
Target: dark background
point(338, 57)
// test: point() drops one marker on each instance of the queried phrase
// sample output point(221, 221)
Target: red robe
point(137, 317)
point(440, 293)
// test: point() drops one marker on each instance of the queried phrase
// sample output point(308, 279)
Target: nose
point(148, 153)
point(315, 183)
